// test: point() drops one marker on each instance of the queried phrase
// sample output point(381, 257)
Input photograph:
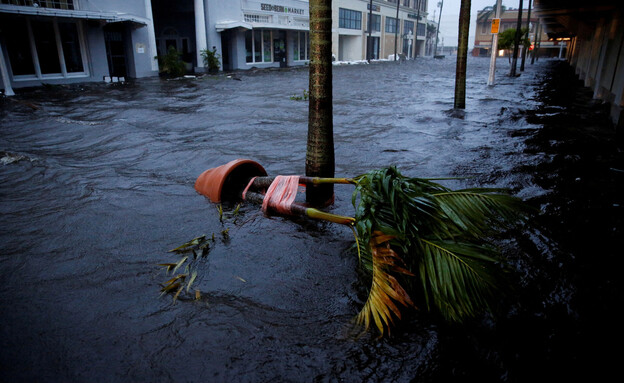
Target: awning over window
point(110, 17)
point(229, 24)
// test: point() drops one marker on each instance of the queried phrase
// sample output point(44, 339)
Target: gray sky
point(450, 17)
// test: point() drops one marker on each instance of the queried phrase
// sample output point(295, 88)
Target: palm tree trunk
point(462, 55)
point(320, 148)
point(524, 47)
point(514, 59)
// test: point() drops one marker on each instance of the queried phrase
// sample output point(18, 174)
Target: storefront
point(260, 34)
point(63, 43)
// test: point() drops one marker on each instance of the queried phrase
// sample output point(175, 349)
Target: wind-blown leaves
point(199, 247)
point(457, 278)
point(441, 235)
point(385, 292)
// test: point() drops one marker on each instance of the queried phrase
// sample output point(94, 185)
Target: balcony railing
point(56, 4)
point(251, 18)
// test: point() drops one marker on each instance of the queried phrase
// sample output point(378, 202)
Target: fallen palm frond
point(440, 234)
point(385, 292)
point(199, 247)
point(192, 254)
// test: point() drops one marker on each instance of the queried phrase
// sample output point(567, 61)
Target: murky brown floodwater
point(97, 184)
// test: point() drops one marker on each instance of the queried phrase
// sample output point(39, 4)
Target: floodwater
point(97, 185)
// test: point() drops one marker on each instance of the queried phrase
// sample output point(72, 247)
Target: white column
point(8, 91)
point(200, 31)
point(151, 34)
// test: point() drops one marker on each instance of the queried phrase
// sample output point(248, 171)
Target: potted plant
point(171, 64)
point(211, 60)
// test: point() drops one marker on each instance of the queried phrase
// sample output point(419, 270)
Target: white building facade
point(64, 41)
point(351, 38)
point(259, 33)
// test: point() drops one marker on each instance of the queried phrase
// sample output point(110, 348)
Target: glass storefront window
point(302, 46)
point(18, 47)
point(49, 48)
point(71, 47)
point(258, 46)
point(248, 47)
point(267, 46)
point(47, 51)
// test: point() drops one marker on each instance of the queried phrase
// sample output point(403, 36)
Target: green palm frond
point(477, 212)
point(441, 235)
point(458, 278)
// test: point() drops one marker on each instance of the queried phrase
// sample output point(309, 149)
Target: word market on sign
point(281, 8)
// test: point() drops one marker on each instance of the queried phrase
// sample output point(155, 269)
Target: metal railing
point(56, 4)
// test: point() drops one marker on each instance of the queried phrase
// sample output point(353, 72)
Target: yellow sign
point(495, 25)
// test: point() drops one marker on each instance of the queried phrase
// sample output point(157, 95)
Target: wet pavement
point(97, 185)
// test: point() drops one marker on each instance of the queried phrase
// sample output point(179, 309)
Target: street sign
point(495, 25)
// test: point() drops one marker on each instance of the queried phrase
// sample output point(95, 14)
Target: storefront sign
point(376, 8)
point(413, 16)
point(281, 9)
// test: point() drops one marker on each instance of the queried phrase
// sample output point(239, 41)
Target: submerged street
point(97, 185)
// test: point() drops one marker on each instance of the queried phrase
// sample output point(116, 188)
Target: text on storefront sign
point(281, 8)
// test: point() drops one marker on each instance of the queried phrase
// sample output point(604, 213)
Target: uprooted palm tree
point(419, 237)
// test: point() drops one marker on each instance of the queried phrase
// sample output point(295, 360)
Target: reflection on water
point(97, 185)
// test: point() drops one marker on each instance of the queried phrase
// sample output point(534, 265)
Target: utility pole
point(369, 44)
point(435, 49)
point(494, 44)
point(538, 36)
point(514, 61)
point(396, 31)
point(524, 48)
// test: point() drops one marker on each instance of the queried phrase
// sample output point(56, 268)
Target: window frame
point(263, 44)
point(375, 24)
point(58, 42)
point(297, 46)
point(349, 19)
point(388, 27)
point(406, 29)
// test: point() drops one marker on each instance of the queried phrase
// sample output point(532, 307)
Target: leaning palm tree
point(416, 236)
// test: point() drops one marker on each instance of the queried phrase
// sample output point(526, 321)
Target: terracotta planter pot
point(228, 181)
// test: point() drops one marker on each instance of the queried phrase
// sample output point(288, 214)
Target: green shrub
point(211, 60)
point(171, 63)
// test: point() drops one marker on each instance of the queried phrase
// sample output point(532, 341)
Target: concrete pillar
point(8, 90)
point(151, 35)
point(200, 31)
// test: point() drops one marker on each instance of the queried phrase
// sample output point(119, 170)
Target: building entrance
point(279, 48)
point(115, 49)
